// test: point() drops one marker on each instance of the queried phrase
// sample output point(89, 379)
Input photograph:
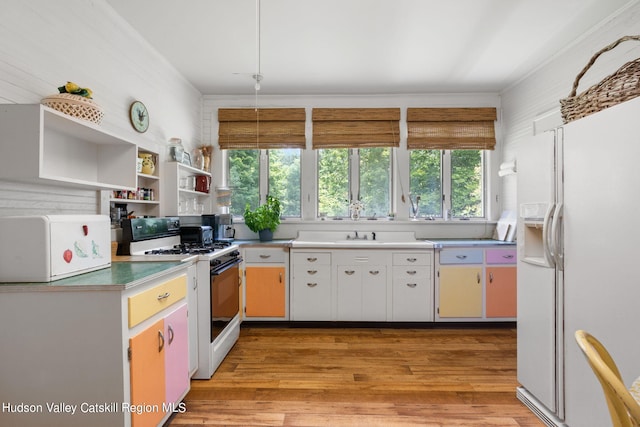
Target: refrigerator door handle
point(547, 236)
point(556, 237)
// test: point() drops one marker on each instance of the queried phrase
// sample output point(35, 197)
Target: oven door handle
point(215, 272)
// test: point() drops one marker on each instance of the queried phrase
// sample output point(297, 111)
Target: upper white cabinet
point(42, 145)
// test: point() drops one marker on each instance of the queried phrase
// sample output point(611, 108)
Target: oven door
point(225, 297)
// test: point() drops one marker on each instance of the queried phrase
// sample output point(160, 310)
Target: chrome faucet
point(356, 237)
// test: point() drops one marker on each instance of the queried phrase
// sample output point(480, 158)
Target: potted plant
point(265, 219)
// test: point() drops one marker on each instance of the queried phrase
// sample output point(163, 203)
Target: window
point(459, 137)
point(346, 174)
point(467, 184)
point(426, 183)
point(333, 182)
point(244, 179)
point(447, 180)
point(284, 179)
point(375, 180)
point(280, 176)
point(354, 148)
point(263, 149)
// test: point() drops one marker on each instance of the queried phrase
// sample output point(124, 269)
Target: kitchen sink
point(360, 239)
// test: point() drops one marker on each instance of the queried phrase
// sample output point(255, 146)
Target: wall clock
point(139, 116)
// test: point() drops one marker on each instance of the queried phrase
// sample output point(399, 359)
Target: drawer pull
point(412, 259)
point(478, 277)
point(507, 256)
point(160, 341)
point(461, 256)
point(280, 277)
point(312, 285)
point(412, 285)
point(312, 272)
point(349, 272)
point(411, 272)
point(491, 277)
point(362, 259)
point(171, 334)
point(374, 272)
point(164, 296)
point(312, 259)
point(265, 256)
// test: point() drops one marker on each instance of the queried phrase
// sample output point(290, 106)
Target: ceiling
point(360, 46)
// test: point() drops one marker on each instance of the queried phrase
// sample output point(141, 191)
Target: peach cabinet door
point(460, 292)
point(501, 291)
point(265, 291)
point(147, 374)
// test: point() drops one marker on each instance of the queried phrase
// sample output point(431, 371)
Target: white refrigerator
point(578, 194)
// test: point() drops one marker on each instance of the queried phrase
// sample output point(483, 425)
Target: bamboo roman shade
point(356, 127)
point(451, 128)
point(246, 128)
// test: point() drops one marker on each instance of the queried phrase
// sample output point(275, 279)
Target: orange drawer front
point(145, 304)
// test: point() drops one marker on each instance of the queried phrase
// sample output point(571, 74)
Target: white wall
point(44, 43)
point(542, 90)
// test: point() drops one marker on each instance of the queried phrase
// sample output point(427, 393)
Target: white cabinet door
point(349, 292)
point(374, 293)
point(362, 293)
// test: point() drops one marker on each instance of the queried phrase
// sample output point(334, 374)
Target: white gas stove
point(217, 279)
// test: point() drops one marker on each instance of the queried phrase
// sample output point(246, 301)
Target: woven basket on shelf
point(75, 106)
point(620, 86)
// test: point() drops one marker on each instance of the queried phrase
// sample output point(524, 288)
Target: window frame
point(446, 186)
point(354, 178)
point(263, 178)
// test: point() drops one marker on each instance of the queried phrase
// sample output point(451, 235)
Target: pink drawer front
point(501, 256)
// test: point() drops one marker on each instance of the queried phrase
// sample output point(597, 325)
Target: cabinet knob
point(312, 285)
point(412, 285)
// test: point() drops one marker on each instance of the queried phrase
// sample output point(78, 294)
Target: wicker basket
point(76, 106)
point(620, 86)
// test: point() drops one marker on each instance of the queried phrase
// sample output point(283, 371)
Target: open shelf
point(49, 147)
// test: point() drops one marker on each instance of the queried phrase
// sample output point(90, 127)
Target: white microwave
point(51, 247)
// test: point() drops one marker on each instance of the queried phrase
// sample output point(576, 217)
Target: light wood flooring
point(292, 376)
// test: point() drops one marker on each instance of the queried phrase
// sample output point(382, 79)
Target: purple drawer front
point(501, 256)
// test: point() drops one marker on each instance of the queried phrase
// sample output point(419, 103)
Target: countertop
point(120, 276)
point(444, 243)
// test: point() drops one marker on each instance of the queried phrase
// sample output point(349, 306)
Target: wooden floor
point(279, 376)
